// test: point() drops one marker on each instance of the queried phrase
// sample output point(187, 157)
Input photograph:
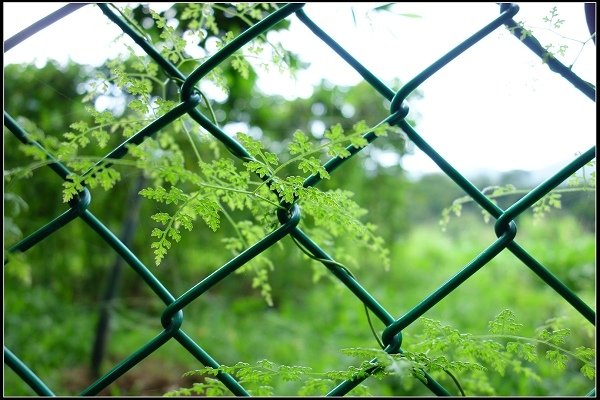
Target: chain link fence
point(172, 318)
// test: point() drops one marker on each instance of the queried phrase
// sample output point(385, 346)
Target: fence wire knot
point(399, 107)
point(172, 320)
point(81, 201)
point(502, 228)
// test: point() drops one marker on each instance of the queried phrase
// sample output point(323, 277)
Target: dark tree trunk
point(114, 278)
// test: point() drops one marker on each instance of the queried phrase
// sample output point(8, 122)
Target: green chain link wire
point(290, 215)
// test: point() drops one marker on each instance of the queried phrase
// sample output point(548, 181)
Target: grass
point(312, 322)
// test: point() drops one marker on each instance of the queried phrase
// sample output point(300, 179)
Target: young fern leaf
point(300, 144)
point(504, 323)
point(98, 175)
point(579, 181)
point(259, 377)
point(202, 189)
point(192, 205)
point(439, 350)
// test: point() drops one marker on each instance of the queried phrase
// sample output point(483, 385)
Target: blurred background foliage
point(53, 293)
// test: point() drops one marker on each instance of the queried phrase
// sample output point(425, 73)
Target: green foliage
point(546, 204)
point(437, 349)
point(237, 201)
point(13, 206)
point(580, 181)
point(552, 22)
point(310, 320)
point(492, 192)
point(587, 177)
point(223, 186)
point(193, 188)
point(259, 377)
point(504, 323)
point(60, 339)
point(553, 19)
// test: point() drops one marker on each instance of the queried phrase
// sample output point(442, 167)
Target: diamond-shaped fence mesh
point(172, 317)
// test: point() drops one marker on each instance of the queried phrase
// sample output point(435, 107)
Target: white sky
point(495, 108)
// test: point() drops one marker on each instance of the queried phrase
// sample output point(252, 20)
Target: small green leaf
point(163, 218)
point(314, 167)
point(358, 142)
point(300, 144)
point(259, 168)
point(209, 211)
point(589, 371)
point(336, 132)
point(504, 323)
point(558, 359)
point(72, 187)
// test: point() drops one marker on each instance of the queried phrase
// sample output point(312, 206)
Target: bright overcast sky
point(496, 107)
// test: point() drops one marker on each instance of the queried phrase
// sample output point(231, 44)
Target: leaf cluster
point(441, 351)
point(581, 181)
point(188, 187)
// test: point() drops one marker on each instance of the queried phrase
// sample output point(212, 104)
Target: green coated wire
point(379, 342)
point(189, 107)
